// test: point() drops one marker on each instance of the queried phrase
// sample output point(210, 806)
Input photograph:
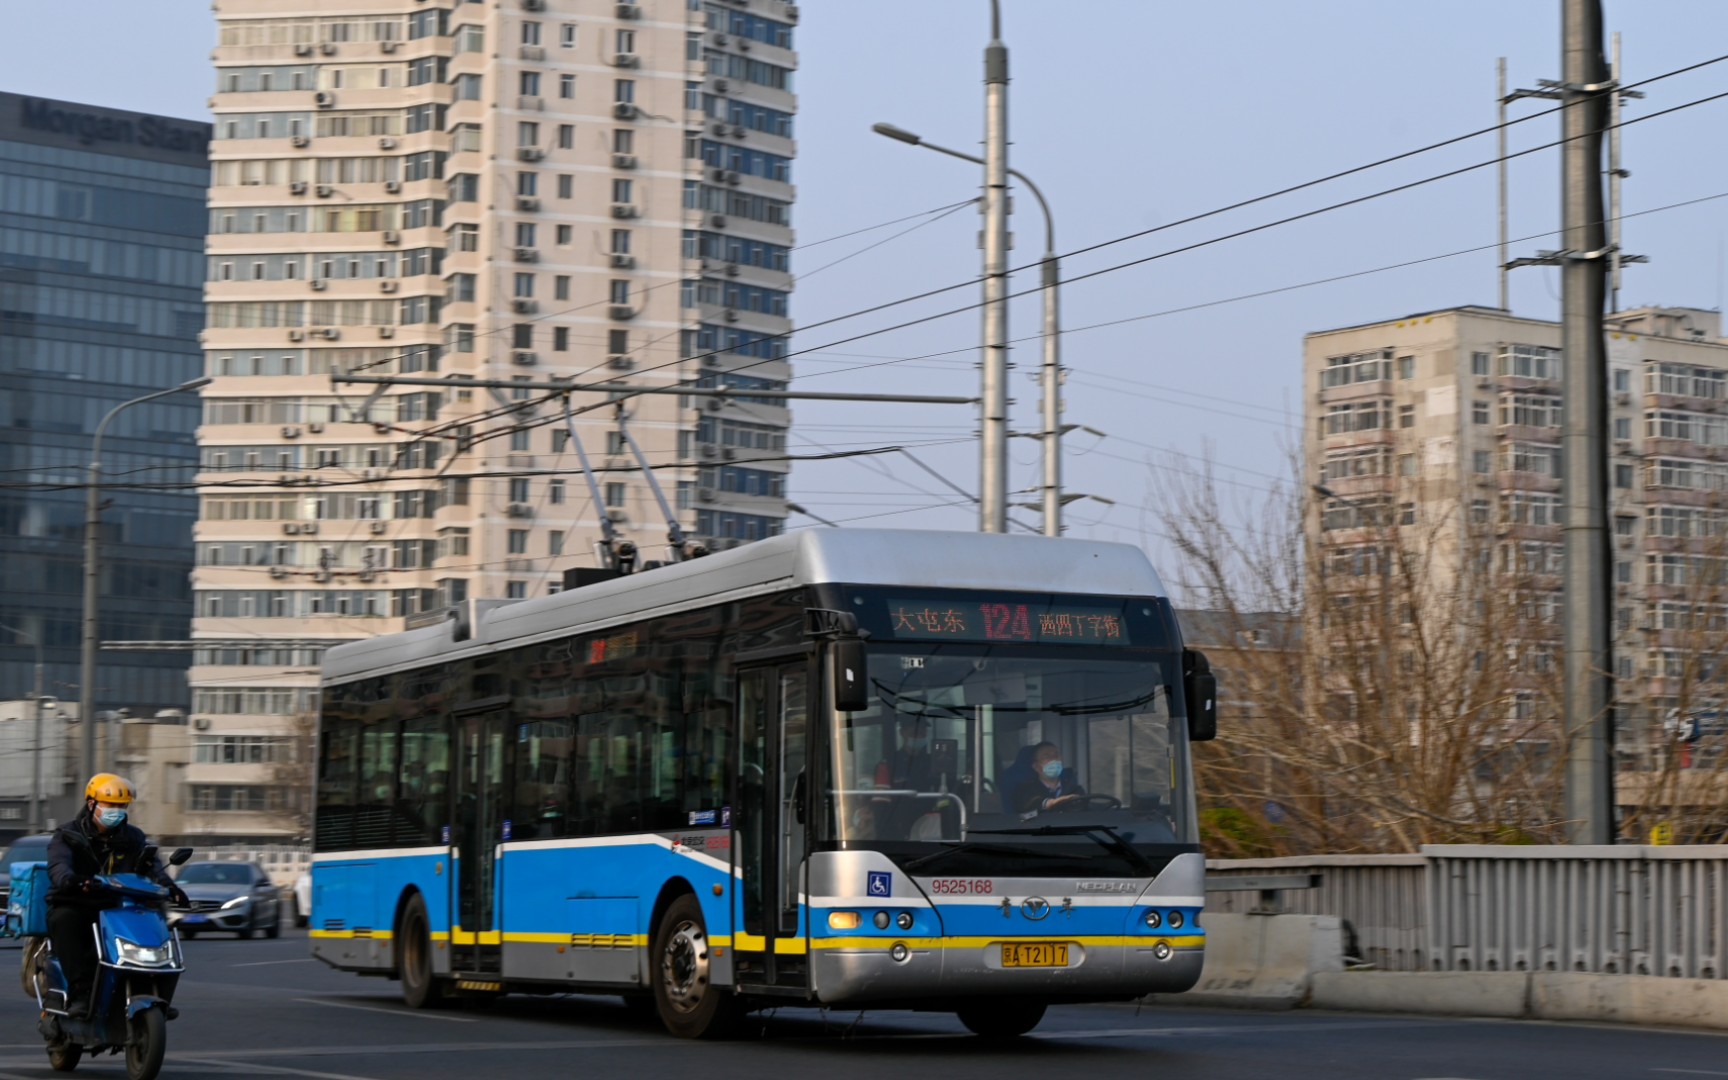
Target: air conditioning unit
point(731, 269)
point(718, 221)
point(708, 450)
point(298, 187)
point(627, 10)
point(711, 360)
point(722, 40)
point(739, 131)
point(302, 50)
point(387, 46)
point(523, 306)
point(277, 572)
point(299, 141)
point(719, 175)
point(324, 191)
point(291, 528)
point(519, 510)
point(296, 335)
point(727, 453)
point(529, 153)
point(377, 527)
point(527, 255)
point(623, 210)
point(533, 5)
point(719, 127)
point(527, 203)
point(387, 285)
point(290, 432)
point(721, 86)
point(386, 143)
point(791, 13)
point(531, 104)
point(620, 362)
point(1622, 399)
point(316, 427)
point(318, 284)
point(391, 236)
point(743, 44)
point(731, 314)
point(322, 575)
point(535, 53)
point(324, 99)
point(327, 49)
point(732, 177)
point(617, 514)
point(391, 187)
point(309, 528)
point(201, 724)
point(524, 358)
point(620, 311)
point(623, 110)
point(371, 474)
point(705, 494)
point(386, 331)
point(623, 161)
point(621, 261)
point(626, 60)
point(330, 333)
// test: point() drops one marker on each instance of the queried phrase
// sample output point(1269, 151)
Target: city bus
point(842, 767)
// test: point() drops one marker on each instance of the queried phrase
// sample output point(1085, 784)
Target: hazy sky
point(1129, 114)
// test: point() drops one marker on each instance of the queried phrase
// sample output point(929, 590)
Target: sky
point(1129, 114)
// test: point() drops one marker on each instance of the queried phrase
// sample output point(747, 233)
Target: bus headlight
point(843, 920)
point(1176, 920)
point(1154, 920)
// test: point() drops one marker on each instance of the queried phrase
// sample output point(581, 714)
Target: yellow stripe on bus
point(985, 942)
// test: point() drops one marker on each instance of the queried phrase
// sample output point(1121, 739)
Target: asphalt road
point(263, 1008)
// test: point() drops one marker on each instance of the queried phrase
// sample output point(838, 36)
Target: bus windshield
point(969, 745)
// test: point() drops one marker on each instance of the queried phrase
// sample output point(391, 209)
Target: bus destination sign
point(987, 621)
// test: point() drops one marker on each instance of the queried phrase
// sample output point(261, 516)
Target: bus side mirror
point(1200, 689)
point(851, 686)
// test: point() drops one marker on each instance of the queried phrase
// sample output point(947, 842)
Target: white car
point(303, 898)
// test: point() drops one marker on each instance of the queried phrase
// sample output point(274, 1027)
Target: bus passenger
point(1051, 788)
point(910, 767)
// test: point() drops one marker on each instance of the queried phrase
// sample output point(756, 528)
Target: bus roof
point(913, 558)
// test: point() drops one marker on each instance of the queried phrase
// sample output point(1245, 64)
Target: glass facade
point(101, 271)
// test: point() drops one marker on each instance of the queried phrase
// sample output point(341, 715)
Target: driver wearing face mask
point(1052, 787)
point(95, 843)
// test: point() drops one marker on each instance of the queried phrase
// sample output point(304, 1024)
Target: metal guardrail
point(1603, 910)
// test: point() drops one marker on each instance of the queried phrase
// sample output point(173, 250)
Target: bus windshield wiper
point(994, 849)
point(1103, 835)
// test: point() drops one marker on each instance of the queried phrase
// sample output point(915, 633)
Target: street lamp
point(1051, 375)
point(92, 568)
point(41, 702)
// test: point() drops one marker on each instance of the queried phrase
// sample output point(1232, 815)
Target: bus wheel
point(420, 988)
point(1007, 1018)
point(690, 1005)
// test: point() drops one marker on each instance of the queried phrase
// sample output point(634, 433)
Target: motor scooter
point(130, 998)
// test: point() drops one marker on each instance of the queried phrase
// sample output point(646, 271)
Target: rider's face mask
point(110, 816)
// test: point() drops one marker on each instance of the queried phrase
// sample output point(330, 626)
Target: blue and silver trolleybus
point(855, 768)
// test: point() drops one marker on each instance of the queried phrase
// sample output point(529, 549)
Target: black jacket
point(79, 850)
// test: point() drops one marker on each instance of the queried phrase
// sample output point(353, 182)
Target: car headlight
point(130, 952)
point(237, 903)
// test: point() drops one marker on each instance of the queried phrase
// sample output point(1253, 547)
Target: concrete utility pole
point(1584, 438)
point(1505, 255)
point(993, 437)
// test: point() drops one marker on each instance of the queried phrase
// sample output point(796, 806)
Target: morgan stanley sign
point(110, 131)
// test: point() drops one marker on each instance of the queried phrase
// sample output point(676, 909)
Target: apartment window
point(460, 337)
point(518, 489)
point(528, 84)
point(624, 41)
point(624, 91)
point(566, 86)
point(519, 441)
point(1625, 525)
point(527, 183)
point(527, 133)
point(515, 590)
point(555, 542)
point(1481, 461)
point(1622, 381)
point(1622, 476)
point(1479, 412)
point(522, 336)
point(617, 341)
point(530, 33)
point(555, 488)
point(525, 234)
point(465, 238)
point(1622, 427)
point(565, 184)
point(1479, 362)
point(524, 286)
point(567, 36)
point(1406, 416)
point(1623, 573)
point(620, 291)
point(566, 136)
point(561, 287)
point(614, 495)
point(623, 191)
point(1478, 511)
point(1406, 367)
point(560, 339)
point(620, 241)
point(615, 443)
point(1406, 464)
point(564, 234)
point(516, 542)
point(467, 87)
point(1407, 513)
point(623, 141)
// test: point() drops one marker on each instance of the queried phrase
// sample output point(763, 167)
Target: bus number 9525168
point(962, 886)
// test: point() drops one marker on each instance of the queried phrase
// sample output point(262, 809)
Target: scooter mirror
point(180, 856)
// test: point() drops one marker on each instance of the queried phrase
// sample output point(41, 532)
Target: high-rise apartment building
point(101, 225)
point(1439, 433)
point(525, 190)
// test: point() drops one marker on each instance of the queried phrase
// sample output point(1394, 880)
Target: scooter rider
point(96, 842)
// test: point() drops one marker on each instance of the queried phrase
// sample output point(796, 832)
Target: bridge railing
point(1602, 910)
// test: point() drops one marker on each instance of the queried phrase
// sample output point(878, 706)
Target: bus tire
point(421, 989)
point(1003, 1018)
point(690, 1005)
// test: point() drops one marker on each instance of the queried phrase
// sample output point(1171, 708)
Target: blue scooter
point(140, 963)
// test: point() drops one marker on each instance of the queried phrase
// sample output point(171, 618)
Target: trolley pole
point(993, 435)
point(1589, 802)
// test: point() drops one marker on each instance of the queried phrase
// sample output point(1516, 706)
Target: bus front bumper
point(921, 969)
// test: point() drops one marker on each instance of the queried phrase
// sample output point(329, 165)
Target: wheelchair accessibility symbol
point(880, 884)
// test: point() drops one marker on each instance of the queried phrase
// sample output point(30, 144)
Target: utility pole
point(1505, 255)
point(993, 436)
point(1584, 438)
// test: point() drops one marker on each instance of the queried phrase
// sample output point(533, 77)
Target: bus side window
point(423, 808)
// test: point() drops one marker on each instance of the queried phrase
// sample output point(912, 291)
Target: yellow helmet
point(109, 788)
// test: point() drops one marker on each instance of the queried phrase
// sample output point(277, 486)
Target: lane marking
point(276, 1070)
point(268, 963)
point(387, 1012)
point(1692, 1072)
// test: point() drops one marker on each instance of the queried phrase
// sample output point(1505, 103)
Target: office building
point(521, 191)
point(101, 231)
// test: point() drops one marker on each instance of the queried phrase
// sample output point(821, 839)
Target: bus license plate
point(1025, 954)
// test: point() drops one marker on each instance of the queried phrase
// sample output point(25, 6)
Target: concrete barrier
point(1446, 993)
point(1647, 1000)
point(1265, 961)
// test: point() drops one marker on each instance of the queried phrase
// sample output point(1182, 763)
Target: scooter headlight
point(130, 952)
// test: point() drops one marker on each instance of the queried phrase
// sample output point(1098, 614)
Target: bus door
point(769, 948)
point(476, 943)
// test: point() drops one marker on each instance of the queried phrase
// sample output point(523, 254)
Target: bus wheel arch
point(689, 1004)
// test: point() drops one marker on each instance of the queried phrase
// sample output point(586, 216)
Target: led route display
point(987, 621)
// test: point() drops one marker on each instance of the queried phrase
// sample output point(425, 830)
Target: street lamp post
point(40, 701)
point(92, 568)
point(1050, 377)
